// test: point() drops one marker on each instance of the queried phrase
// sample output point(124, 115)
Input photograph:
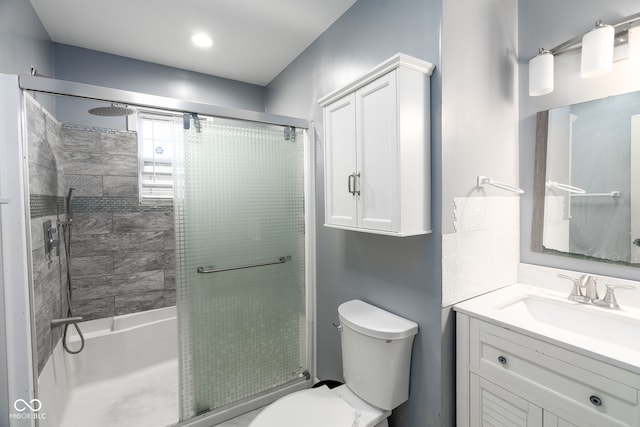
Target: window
point(156, 140)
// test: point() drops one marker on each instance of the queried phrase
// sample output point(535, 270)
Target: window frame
point(173, 120)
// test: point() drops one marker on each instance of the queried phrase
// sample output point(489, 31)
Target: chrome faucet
point(576, 292)
point(589, 283)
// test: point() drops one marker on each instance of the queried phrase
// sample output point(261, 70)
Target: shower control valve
point(51, 239)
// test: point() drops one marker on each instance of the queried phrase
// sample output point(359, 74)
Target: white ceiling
point(255, 39)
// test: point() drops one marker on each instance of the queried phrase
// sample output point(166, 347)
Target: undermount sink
point(589, 321)
point(606, 334)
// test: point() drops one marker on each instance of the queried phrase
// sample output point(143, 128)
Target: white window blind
point(156, 140)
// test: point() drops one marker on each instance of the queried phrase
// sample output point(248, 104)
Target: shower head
point(114, 110)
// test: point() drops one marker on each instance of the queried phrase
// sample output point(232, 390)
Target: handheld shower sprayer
point(69, 206)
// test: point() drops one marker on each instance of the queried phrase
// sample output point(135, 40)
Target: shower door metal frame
point(137, 99)
point(100, 93)
point(16, 337)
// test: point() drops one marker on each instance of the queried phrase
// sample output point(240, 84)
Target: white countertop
point(547, 315)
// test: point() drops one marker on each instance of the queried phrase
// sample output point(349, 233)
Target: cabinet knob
point(595, 400)
point(502, 360)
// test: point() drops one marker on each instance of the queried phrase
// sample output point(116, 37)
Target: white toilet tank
point(376, 353)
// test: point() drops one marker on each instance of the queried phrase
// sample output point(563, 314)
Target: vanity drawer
point(571, 385)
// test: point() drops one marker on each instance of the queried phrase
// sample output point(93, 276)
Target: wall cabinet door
point(494, 406)
point(340, 162)
point(377, 155)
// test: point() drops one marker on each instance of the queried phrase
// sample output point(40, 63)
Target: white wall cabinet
point(505, 378)
point(377, 150)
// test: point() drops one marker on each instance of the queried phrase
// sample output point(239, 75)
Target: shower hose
point(66, 229)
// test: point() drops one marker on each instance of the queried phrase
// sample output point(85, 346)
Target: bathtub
point(114, 347)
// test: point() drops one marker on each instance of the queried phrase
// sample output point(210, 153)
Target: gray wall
point(23, 40)
point(46, 194)
point(479, 99)
point(547, 23)
point(24, 43)
point(103, 69)
point(401, 275)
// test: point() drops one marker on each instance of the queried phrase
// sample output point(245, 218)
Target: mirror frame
point(539, 179)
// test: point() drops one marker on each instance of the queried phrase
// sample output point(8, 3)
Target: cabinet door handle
point(595, 400)
point(356, 175)
point(351, 184)
point(502, 360)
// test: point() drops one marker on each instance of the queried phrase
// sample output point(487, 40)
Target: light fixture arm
point(597, 47)
point(575, 43)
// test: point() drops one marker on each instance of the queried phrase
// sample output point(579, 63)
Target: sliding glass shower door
point(240, 274)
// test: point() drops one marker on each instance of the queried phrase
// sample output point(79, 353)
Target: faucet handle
point(609, 299)
point(576, 291)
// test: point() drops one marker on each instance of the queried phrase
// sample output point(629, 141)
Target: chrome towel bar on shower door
point(210, 269)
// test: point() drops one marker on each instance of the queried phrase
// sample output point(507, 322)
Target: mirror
point(587, 180)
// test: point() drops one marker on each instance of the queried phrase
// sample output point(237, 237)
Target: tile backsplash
point(484, 252)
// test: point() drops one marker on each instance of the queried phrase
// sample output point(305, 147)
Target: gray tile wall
point(46, 190)
point(122, 257)
point(122, 254)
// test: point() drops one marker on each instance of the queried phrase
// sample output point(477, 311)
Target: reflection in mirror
point(587, 183)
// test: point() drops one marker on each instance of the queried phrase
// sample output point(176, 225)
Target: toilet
point(376, 359)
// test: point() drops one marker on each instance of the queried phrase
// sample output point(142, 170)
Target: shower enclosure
point(243, 264)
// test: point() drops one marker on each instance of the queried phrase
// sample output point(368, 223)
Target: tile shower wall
point(122, 256)
point(46, 190)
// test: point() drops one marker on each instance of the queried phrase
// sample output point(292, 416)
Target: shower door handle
point(210, 269)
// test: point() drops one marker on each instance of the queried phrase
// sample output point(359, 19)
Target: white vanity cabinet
point(377, 150)
point(506, 378)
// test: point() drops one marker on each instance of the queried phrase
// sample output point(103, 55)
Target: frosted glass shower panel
point(240, 221)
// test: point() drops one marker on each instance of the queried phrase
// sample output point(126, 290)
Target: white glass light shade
point(541, 74)
point(597, 51)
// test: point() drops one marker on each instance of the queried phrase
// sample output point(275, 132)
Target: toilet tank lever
point(338, 326)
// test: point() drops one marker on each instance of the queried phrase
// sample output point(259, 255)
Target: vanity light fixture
point(541, 73)
point(597, 53)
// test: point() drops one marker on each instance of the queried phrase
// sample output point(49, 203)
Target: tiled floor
point(146, 398)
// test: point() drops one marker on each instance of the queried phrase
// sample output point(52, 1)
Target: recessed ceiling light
point(202, 40)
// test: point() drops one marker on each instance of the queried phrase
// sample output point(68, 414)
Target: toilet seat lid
point(315, 407)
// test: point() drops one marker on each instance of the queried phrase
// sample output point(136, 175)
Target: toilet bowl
point(376, 357)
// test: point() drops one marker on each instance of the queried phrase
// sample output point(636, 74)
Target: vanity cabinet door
point(551, 420)
point(494, 406)
point(497, 365)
